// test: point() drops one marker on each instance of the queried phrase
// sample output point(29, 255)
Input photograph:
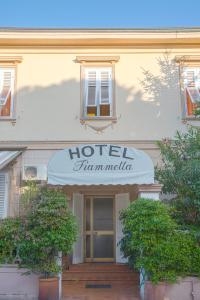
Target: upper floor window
point(191, 83)
point(98, 92)
point(7, 92)
point(97, 88)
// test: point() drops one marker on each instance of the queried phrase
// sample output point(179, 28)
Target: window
point(97, 92)
point(97, 88)
point(6, 92)
point(191, 84)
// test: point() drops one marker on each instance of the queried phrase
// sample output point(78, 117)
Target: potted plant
point(45, 228)
point(12, 284)
point(49, 228)
point(156, 246)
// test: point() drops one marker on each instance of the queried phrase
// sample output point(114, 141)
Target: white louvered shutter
point(6, 92)
point(5, 87)
point(191, 77)
point(98, 92)
point(105, 78)
point(194, 94)
point(3, 195)
point(91, 88)
point(6, 84)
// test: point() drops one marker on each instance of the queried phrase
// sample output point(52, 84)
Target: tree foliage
point(180, 174)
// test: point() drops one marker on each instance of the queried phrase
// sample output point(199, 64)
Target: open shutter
point(78, 205)
point(6, 86)
point(3, 195)
point(192, 88)
point(122, 201)
point(194, 94)
point(98, 92)
point(91, 92)
point(105, 78)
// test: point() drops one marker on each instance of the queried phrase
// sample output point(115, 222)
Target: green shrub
point(9, 239)
point(49, 227)
point(44, 228)
point(153, 242)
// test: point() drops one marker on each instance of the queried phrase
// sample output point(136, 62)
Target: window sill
point(93, 59)
point(191, 119)
point(114, 119)
point(12, 120)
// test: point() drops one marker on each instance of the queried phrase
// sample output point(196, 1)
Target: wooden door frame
point(90, 232)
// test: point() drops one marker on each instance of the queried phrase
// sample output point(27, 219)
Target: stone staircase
point(100, 280)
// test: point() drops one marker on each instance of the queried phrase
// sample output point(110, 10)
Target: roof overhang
point(7, 156)
point(100, 37)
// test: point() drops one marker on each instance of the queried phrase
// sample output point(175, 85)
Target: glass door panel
point(88, 217)
point(88, 248)
point(103, 214)
point(99, 229)
point(103, 246)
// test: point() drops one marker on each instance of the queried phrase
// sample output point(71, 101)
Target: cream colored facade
point(148, 107)
point(148, 93)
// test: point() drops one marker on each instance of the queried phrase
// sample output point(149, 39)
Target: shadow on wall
point(157, 104)
point(153, 108)
point(54, 112)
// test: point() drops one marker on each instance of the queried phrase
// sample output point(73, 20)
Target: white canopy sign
point(100, 164)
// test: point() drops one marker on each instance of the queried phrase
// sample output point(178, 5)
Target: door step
point(100, 281)
point(104, 274)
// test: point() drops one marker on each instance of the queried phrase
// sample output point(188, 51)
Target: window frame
point(13, 88)
point(186, 63)
point(11, 62)
point(95, 65)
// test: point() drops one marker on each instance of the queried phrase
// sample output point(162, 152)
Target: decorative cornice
point(87, 59)
point(187, 58)
point(11, 59)
point(177, 37)
point(56, 145)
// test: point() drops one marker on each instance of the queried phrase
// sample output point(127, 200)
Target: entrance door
point(99, 229)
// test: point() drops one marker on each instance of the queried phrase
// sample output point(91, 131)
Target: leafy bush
point(153, 242)
point(37, 236)
point(9, 239)
point(49, 227)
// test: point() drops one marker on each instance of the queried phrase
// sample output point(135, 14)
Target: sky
point(99, 14)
